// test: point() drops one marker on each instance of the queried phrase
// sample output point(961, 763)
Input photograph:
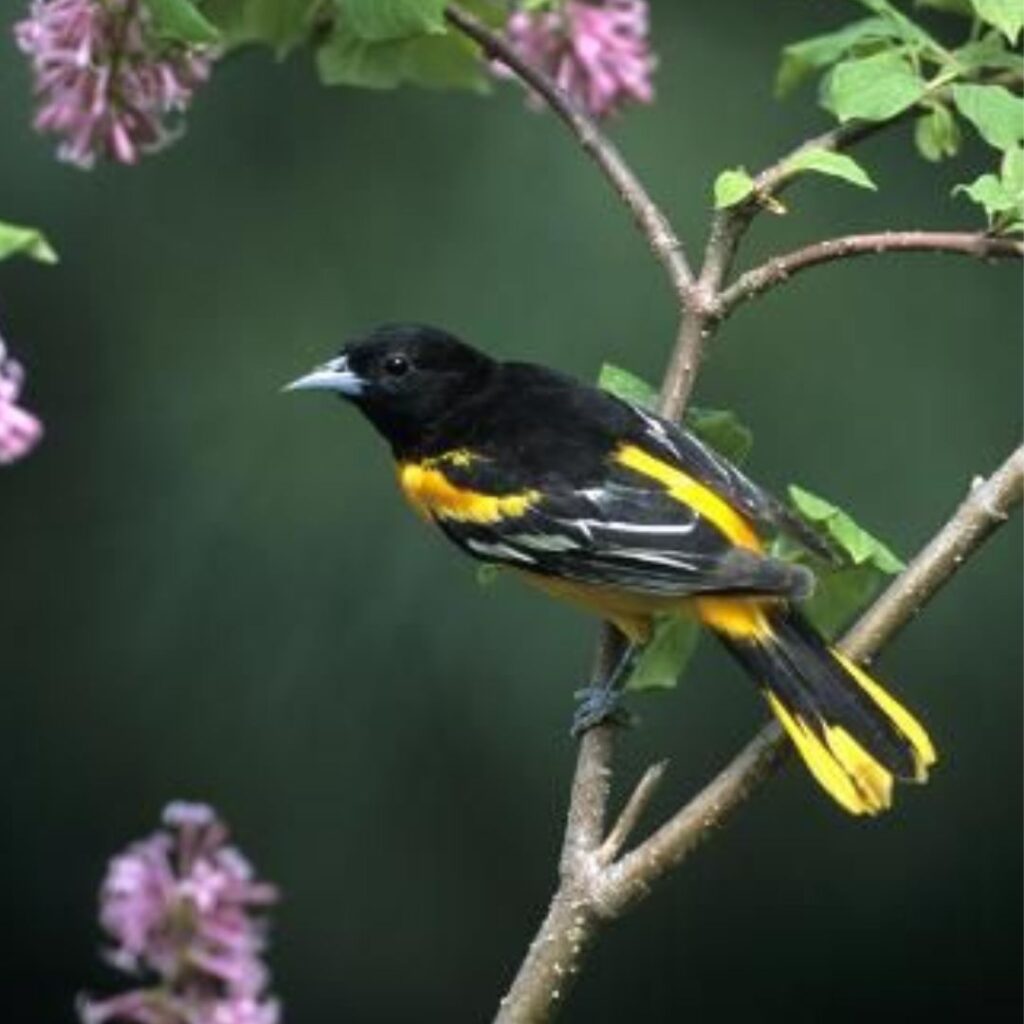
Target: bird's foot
point(598, 704)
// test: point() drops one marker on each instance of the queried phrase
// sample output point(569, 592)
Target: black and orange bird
point(613, 508)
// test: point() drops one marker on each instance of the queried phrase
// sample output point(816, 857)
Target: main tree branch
point(780, 269)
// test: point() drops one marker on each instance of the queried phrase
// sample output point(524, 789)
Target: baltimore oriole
point(609, 506)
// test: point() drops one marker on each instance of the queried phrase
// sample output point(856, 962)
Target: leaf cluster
point(372, 44)
point(888, 65)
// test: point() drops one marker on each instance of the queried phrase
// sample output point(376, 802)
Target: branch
point(653, 224)
point(986, 507)
point(780, 269)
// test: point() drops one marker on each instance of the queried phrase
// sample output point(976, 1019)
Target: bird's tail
point(854, 736)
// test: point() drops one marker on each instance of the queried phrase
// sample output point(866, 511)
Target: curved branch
point(986, 507)
point(654, 225)
point(779, 269)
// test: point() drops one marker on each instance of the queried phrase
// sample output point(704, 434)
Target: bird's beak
point(332, 376)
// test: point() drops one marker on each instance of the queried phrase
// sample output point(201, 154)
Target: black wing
point(706, 465)
point(625, 533)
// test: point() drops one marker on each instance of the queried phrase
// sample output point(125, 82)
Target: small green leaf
point(837, 165)
point(989, 192)
point(1012, 170)
point(719, 428)
point(446, 61)
point(994, 111)
point(952, 6)
point(840, 595)
point(873, 88)
point(1005, 15)
point(803, 59)
point(859, 546)
point(279, 24)
point(1001, 198)
point(936, 134)
point(665, 657)
point(627, 386)
point(182, 22)
point(383, 20)
point(986, 54)
point(18, 240)
point(732, 187)
point(723, 430)
point(906, 29)
point(842, 589)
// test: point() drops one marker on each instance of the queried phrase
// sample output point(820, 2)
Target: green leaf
point(279, 24)
point(732, 187)
point(842, 589)
point(666, 655)
point(627, 386)
point(989, 192)
point(723, 430)
point(988, 53)
point(1001, 198)
point(860, 547)
point(906, 29)
point(1005, 15)
point(840, 595)
point(837, 165)
point(446, 62)
point(873, 88)
point(384, 20)
point(720, 428)
point(803, 59)
point(1012, 171)
point(16, 240)
point(994, 111)
point(936, 134)
point(951, 6)
point(181, 21)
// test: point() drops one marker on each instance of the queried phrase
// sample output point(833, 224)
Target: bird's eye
point(396, 366)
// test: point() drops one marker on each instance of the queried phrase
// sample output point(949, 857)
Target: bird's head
point(403, 377)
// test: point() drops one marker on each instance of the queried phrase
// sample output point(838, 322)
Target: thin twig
point(779, 269)
point(630, 815)
point(986, 507)
point(654, 225)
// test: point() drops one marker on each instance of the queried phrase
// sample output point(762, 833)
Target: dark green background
point(210, 591)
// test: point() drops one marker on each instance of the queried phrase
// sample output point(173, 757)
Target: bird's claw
point(598, 704)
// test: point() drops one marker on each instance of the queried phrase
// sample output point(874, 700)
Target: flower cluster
point(106, 84)
point(20, 431)
point(179, 907)
point(597, 52)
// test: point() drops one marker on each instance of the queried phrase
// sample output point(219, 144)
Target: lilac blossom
point(106, 84)
point(597, 52)
point(179, 906)
point(20, 430)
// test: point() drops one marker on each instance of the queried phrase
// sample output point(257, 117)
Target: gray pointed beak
point(332, 376)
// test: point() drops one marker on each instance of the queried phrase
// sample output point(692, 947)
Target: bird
point(600, 502)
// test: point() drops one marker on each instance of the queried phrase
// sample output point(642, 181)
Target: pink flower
point(20, 431)
point(106, 84)
point(597, 52)
point(180, 904)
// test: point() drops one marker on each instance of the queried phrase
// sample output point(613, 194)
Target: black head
point(404, 378)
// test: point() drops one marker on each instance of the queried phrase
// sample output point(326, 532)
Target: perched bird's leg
point(600, 701)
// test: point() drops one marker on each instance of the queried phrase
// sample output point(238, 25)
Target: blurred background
point(210, 591)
